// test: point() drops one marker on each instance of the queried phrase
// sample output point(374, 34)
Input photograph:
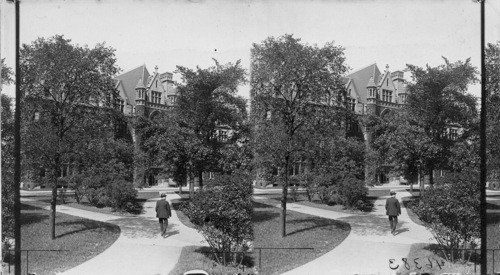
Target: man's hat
point(393, 193)
point(163, 195)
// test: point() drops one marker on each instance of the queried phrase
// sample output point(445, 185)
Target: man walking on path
point(393, 210)
point(163, 213)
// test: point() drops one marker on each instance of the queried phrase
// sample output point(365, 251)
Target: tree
point(207, 101)
point(7, 158)
point(437, 100)
point(172, 146)
point(295, 83)
point(6, 73)
point(450, 210)
point(492, 63)
point(403, 143)
point(64, 86)
point(222, 213)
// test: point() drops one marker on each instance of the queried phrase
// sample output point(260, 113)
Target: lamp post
point(17, 153)
point(482, 148)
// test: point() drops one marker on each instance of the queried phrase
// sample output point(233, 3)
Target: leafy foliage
point(492, 63)
point(438, 99)
point(451, 210)
point(208, 101)
point(352, 193)
point(7, 166)
point(64, 86)
point(296, 88)
point(6, 73)
point(222, 213)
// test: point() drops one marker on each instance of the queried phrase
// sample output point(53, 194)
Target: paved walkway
point(370, 244)
point(139, 249)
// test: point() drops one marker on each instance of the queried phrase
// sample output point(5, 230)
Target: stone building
point(372, 92)
point(144, 94)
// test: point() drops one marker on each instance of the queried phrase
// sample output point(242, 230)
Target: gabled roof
point(129, 80)
point(361, 77)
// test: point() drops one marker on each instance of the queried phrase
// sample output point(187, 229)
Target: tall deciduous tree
point(492, 63)
point(7, 139)
point(207, 101)
point(64, 86)
point(295, 83)
point(437, 100)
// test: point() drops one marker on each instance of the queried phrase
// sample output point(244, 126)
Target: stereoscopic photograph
point(244, 137)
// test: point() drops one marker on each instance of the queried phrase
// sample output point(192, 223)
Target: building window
point(351, 103)
point(453, 134)
point(173, 99)
point(298, 167)
point(156, 97)
point(386, 95)
point(222, 136)
point(119, 104)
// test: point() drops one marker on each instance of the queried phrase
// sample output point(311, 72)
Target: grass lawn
point(303, 231)
point(406, 203)
point(84, 203)
point(82, 238)
point(315, 202)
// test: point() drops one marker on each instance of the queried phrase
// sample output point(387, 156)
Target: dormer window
point(351, 103)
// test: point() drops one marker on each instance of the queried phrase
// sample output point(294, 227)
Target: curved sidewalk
point(370, 244)
point(139, 249)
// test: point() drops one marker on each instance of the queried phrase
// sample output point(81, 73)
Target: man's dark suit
point(163, 209)
point(393, 210)
point(163, 213)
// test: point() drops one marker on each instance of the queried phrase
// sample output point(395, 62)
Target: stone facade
point(141, 94)
point(372, 92)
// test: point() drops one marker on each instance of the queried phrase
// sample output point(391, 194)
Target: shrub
point(94, 189)
point(306, 181)
point(7, 204)
point(222, 213)
point(324, 186)
point(451, 211)
point(119, 193)
point(352, 193)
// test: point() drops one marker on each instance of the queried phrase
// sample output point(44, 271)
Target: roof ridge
point(128, 71)
point(362, 68)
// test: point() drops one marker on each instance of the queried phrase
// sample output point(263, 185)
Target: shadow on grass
point(492, 206)
point(33, 218)
point(316, 223)
point(245, 259)
point(86, 225)
point(264, 212)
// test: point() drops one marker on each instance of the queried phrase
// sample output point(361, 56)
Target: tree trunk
point(200, 178)
point(53, 204)
point(284, 198)
point(431, 177)
point(191, 187)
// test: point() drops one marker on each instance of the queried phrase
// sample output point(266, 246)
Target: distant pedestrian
point(393, 210)
point(163, 213)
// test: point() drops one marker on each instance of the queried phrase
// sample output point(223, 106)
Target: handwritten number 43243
point(417, 262)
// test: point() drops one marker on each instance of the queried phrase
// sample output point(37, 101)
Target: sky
point(192, 33)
